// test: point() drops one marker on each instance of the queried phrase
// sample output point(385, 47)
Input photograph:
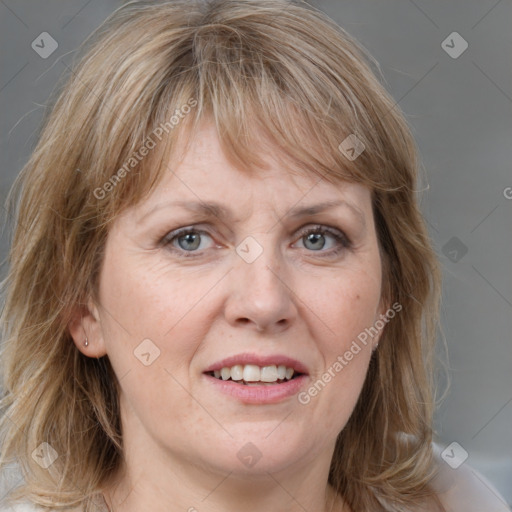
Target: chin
point(257, 453)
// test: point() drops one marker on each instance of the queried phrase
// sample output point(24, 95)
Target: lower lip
point(258, 394)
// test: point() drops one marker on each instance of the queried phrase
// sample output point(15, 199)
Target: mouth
point(254, 375)
point(255, 379)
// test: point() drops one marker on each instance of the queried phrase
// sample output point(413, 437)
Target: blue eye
point(191, 242)
point(188, 239)
point(324, 240)
point(316, 241)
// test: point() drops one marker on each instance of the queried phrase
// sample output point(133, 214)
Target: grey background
point(460, 111)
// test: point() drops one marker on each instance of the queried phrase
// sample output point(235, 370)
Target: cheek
point(172, 309)
point(148, 300)
point(142, 303)
point(347, 304)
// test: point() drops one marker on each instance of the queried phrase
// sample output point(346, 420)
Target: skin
point(181, 435)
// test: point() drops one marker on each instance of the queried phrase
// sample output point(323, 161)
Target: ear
point(85, 325)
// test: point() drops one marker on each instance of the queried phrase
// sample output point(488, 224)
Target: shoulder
point(464, 489)
point(26, 507)
point(19, 507)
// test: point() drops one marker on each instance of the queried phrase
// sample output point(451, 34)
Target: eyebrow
point(214, 209)
point(322, 207)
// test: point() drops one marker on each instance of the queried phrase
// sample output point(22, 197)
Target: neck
point(172, 479)
point(193, 489)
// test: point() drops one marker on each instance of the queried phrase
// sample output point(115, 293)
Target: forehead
point(198, 169)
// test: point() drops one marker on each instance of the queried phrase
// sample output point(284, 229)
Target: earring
point(86, 343)
point(375, 347)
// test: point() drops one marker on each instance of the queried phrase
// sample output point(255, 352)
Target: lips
point(260, 361)
point(251, 373)
point(256, 379)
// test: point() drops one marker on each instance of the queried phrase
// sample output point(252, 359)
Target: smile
point(254, 375)
point(253, 378)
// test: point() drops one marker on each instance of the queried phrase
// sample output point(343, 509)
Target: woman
point(222, 294)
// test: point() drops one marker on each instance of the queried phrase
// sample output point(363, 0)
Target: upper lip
point(258, 360)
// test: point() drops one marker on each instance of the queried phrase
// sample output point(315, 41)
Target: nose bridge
point(260, 293)
point(259, 264)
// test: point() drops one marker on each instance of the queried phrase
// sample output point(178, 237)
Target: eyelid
point(166, 240)
point(343, 241)
point(322, 228)
point(341, 238)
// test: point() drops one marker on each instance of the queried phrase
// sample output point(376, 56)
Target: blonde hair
point(270, 74)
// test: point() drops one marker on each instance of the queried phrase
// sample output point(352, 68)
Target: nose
point(261, 294)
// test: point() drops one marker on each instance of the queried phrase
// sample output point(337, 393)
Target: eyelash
point(342, 240)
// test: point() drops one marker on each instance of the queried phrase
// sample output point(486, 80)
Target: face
point(280, 275)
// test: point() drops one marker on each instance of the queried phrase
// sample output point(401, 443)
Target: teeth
point(237, 372)
point(268, 374)
point(252, 374)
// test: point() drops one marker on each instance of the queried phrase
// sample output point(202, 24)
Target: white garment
point(28, 507)
point(22, 507)
point(466, 490)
